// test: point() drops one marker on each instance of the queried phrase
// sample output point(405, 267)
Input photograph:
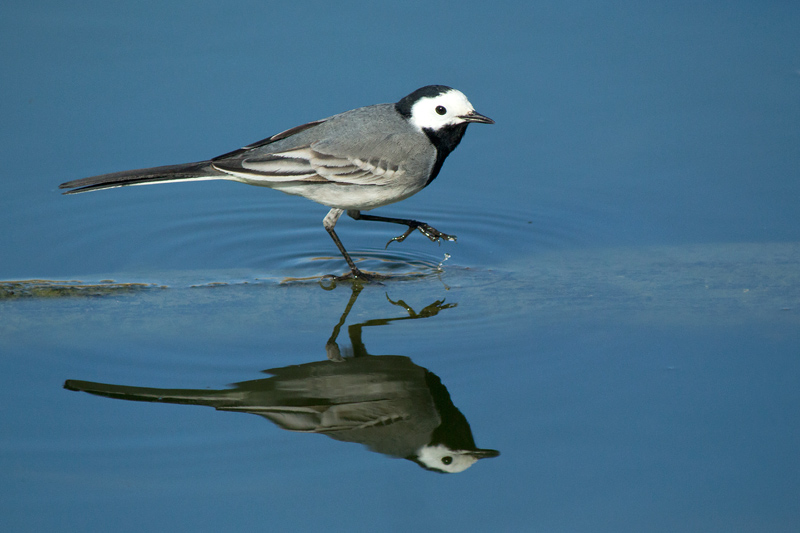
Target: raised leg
point(429, 231)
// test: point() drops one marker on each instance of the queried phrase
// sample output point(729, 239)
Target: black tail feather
point(188, 171)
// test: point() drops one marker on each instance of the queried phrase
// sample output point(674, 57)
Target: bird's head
point(435, 107)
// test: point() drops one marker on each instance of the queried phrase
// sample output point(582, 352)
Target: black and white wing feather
point(308, 164)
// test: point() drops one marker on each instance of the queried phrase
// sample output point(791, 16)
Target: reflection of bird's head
point(451, 448)
point(440, 458)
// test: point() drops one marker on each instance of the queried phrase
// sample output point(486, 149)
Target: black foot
point(431, 310)
point(429, 231)
point(358, 276)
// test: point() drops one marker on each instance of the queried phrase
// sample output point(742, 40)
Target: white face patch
point(442, 458)
point(439, 111)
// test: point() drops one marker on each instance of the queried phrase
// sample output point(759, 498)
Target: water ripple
point(284, 236)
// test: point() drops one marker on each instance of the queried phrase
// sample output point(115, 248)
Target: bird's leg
point(331, 347)
point(329, 222)
point(429, 231)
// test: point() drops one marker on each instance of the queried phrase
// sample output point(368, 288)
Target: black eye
point(441, 110)
point(446, 459)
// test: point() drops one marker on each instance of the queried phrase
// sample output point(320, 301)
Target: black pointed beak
point(474, 116)
point(481, 453)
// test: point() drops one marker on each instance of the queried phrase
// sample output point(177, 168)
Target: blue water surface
point(618, 318)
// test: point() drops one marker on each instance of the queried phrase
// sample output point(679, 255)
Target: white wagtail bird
point(355, 161)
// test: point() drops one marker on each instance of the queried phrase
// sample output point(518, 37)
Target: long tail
point(202, 170)
point(213, 398)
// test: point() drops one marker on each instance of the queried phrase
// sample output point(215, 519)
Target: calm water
point(619, 319)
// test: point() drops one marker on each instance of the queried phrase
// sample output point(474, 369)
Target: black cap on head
point(404, 106)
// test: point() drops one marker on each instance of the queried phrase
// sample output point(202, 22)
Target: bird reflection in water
point(386, 403)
